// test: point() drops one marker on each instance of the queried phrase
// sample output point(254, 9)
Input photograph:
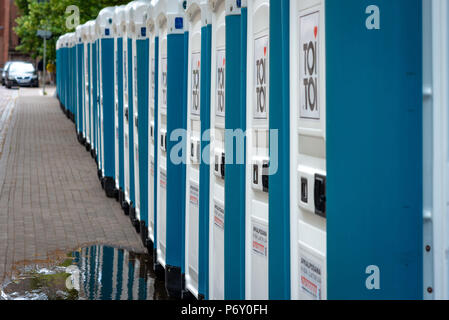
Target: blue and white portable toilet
point(140, 74)
point(104, 24)
point(128, 203)
point(91, 38)
point(152, 131)
point(80, 84)
point(72, 76)
point(217, 147)
point(172, 118)
point(93, 88)
point(199, 22)
point(257, 150)
point(119, 18)
point(85, 36)
point(350, 232)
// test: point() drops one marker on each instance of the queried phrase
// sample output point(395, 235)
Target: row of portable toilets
point(339, 187)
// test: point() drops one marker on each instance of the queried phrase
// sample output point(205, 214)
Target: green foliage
point(52, 16)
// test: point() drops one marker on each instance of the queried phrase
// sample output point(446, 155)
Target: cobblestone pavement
point(50, 197)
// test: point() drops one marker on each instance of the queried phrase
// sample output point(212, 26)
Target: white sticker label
point(163, 180)
point(261, 77)
point(194, 195)
point(309, 26)
point(164, 82)
point(310, 277)
point(221, 83)
point(260, 239)
point(196, 83)
point(219, 215)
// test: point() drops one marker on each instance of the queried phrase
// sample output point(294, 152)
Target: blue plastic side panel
point(107, 59)
point(143, 75)
point(176, 173)
point(156, 129)
point(130, 122)
point(235, 114)
point(203, 255)
point(374, 149)
point(279, 196)
point(89, 85)
point(120, 112)
point(80, 95)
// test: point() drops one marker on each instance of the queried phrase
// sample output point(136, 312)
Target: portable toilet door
point(105, 28)
point(127, 111)
point(217, 147)
point(197, 172)
point(87, 67)
point(93, 87)
point(257, 150)
point(80, 85)
point(119, 17)
point(152, 120)
point(140, 50)
point(172, 118)
point(94, 90)
point(161, 120)
point(98, 116)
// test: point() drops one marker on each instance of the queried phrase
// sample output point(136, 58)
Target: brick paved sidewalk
point(50, 196)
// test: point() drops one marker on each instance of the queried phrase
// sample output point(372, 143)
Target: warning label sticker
point(309, 26)
point(260, 239)
point(163, 180)
point(194, 195)
point(219, 215)
point(310, 277)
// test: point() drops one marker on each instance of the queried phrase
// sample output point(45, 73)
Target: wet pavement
point(51, 200)
point(92, 273)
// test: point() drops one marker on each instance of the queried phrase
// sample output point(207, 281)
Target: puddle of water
point(92, 273)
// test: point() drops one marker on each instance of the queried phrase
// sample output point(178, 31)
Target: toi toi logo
point(73, 20)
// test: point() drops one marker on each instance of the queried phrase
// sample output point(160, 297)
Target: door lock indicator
point(320, 195)
point(304, 190)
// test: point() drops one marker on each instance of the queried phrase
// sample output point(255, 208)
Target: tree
point(51, 15)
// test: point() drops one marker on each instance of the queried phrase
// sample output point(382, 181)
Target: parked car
point(21, 74)
point(3, 71)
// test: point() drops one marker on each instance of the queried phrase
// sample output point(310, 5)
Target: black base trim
point(143, 232)
point(157, 267)
point(92, 153)
point(109, 187)
point(88, 147)
point(188, 296)
point(81, 139)
point(174, 281)
point(132, 216)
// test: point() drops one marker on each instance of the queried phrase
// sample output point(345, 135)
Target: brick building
point(8, 38)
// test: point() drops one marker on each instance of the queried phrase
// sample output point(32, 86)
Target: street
point(50, 198)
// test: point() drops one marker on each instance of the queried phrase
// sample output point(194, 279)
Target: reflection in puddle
point(93, 273)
